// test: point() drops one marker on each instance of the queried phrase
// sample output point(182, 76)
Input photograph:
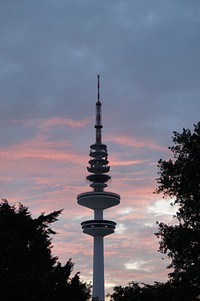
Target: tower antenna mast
point(98, 124)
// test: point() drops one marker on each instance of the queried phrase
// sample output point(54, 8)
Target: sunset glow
point(147, 53)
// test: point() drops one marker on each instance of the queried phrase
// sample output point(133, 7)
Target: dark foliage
point(179, 179)
point(143, 292)
point(28, 270)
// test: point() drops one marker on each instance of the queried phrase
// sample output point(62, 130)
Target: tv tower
point(98, 200)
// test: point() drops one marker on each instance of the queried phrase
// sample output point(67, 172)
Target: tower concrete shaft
point(98, 200)
point(98, 268)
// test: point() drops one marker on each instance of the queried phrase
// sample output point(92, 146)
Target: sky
point(147, 55)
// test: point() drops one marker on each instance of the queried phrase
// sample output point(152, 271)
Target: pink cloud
point(49, 174)
point(134, 142)
point(116, 162)
point(50, 122)
point(41, 148)
point(58, 121)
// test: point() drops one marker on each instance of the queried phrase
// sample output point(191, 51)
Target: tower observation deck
point(98, 200)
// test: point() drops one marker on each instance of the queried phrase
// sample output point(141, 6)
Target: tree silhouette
point(135, 291)
point(179, 179)
point(28, 270)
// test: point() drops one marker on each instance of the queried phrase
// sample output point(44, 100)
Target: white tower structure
point(98, 200)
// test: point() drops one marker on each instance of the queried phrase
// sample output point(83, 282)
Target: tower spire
point(98, 124)
point(98, 87)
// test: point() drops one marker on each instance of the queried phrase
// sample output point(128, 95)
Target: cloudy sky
point(147, 54)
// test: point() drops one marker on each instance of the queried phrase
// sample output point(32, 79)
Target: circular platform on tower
point(98, 227)
point(98, 200)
